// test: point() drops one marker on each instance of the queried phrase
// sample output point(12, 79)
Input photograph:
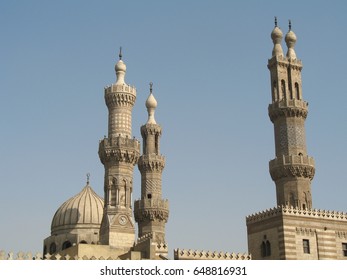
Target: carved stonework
point(119, 149)
point(153, 163)
point(119, 98)
point(275, 113)
point(151, 129)
point(279, 172)
point(161, 215)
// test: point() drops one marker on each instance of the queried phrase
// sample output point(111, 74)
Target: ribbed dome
point(84, 210)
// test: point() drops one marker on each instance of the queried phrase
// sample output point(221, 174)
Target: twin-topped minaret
point(292, 170)
point(119, 153)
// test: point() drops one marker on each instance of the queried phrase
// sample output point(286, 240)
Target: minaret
point(119, 153)
point(292, 170)
point(151, 211)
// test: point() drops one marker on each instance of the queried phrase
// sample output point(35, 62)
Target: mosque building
point(94, 227)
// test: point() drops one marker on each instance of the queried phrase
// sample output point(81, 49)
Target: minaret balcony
point(152, 209)
point(122, 149)
point(288, 108)
point(292, 166)
point(151, 162)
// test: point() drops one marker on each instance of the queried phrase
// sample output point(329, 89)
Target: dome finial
point(151, 104)
point(290, 41)
point(120, 69)
point(276, 36)
point(290, 25)
point(275, 21)
point(88, 176)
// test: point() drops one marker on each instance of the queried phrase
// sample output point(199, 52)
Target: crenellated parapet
point(182, 254)
point(120, 95)
point(297, 212)
point(55, 257)
point(288, 108)
point(119, 149)
point(292, 166)
point(285, 62)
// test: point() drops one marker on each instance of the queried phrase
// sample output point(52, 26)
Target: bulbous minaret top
point(276, 36)
point(290, 41)
point(120, 68)
point(151, 104)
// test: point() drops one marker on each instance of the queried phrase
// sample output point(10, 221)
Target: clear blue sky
point(208, 63)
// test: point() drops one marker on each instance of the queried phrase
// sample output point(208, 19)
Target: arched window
point(268, 248)
point(52, 248)
point(297, 93)
point(283, 88)
point(66, 244)
point(275, 92)
point(44, 251)
point(265, 249)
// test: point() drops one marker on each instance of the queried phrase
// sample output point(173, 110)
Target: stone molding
point(151, 163)
point(292, 166)
point(288, 109)
point(120, 95)
point(341, 234)
point(151, 129)
point(305, 231)
point(119, 149)
point(285, 62)
point(151, 209)
point(298, 212)
point(182, 254)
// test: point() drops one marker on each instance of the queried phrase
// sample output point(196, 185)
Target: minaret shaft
point(292, 169)
point(119, 154)
point(151, 211)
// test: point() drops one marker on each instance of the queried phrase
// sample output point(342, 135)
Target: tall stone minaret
point(292, 170)
point(151, 211)
point(119, 153)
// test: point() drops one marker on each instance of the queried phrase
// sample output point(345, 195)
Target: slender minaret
point(292, 170)
point(151, 211)
point(119, 153)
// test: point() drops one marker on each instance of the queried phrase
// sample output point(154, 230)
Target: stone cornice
point(151, 209)
point(288, 108)
point(120, 95)
point(119, 149)
point(151, 163)
point(296, 212)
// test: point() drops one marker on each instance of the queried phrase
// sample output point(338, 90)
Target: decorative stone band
point(181, 254)
point(120, 149)
point(120, 95)
point(151, 129)
point(151, 210)
point(292, 166)
point(291, 211)
point(288, 108)
point(284, 62)
point(151, 163)
point(38, 256)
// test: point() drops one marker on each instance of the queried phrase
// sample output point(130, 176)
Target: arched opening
point(283, 89)
point(297, 93)
point(83, 242)
point(268, 248)
point(52, 248)
point(66, 244)
point(274, 91)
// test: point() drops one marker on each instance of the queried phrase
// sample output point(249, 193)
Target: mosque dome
point(82, 211)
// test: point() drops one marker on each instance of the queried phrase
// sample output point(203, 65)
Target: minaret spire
point(292, 169)
point(277, 36)
point(119, 153)
point(151, 211)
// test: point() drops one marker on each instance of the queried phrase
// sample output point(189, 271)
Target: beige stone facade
point(293, 230)
point(87, 226)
